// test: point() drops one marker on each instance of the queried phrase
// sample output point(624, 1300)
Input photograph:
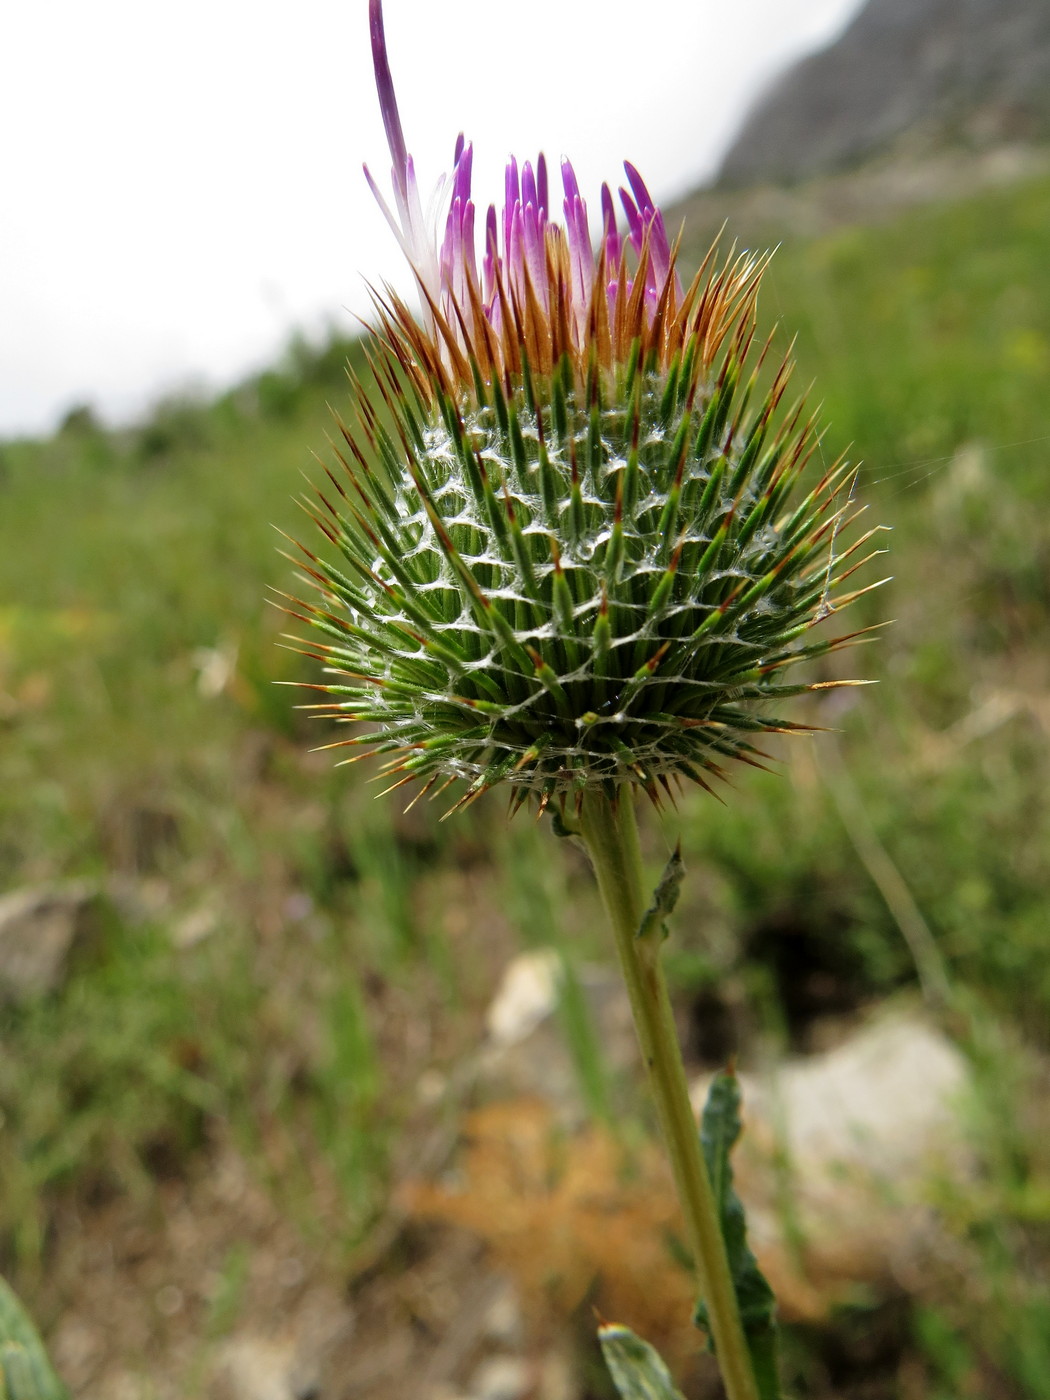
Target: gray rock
point(979, 69)
point(39, 931)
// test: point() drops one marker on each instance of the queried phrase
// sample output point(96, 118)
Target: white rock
point(527, 994)
point(195, 927)
point(527, 1051)
point(852, 1139)
point(503, 1321)
point(501, 1378)
point(884, 1103)
point(251, 1367)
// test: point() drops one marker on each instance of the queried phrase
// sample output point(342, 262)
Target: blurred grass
point(929, 343)
point(283, 958)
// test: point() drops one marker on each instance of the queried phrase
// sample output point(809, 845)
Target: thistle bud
point(577, 550)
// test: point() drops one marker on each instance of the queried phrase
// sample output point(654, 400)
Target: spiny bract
point(576, 551)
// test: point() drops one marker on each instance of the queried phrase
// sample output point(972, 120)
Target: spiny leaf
point(25, 1371)
point(720, 1127)
point(653, 927)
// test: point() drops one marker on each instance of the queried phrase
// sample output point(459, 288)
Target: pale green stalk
point(610, 834)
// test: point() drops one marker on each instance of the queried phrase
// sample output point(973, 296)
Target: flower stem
point(610, 833)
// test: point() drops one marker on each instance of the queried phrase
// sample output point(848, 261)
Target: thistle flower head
point(576, 551)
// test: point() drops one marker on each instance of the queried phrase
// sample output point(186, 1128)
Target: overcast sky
point(181, 187)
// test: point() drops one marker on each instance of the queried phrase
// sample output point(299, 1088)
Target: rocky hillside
point(970, 70)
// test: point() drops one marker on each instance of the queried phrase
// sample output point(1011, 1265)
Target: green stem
point(610, 834)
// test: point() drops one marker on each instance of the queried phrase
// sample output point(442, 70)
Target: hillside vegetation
point(276, 959)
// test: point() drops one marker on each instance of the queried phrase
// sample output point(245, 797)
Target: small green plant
point(577, 558)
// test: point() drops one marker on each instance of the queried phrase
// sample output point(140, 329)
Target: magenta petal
point(452, 249)
point(608, 212)
point(461, 174)
point(491, 255)
point(455, 232)
point(449, 272)
point(395, 137)
point(454, 215)
point(535, 256)
point(569, 182)
point(582, 261)
point(641, 193)
point(652, 221)
point(514, 257)
point(634, 220)
point(660, 249)
point(511, 195)
point(610, 292)
point(512, 191)
point(581, 254)
point(576, 226)
point(469, 256)
point(611, 239)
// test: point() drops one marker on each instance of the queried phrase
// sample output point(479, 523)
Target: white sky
point(181, 187)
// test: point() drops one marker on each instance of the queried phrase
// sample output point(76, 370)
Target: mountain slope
point(979, 69)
